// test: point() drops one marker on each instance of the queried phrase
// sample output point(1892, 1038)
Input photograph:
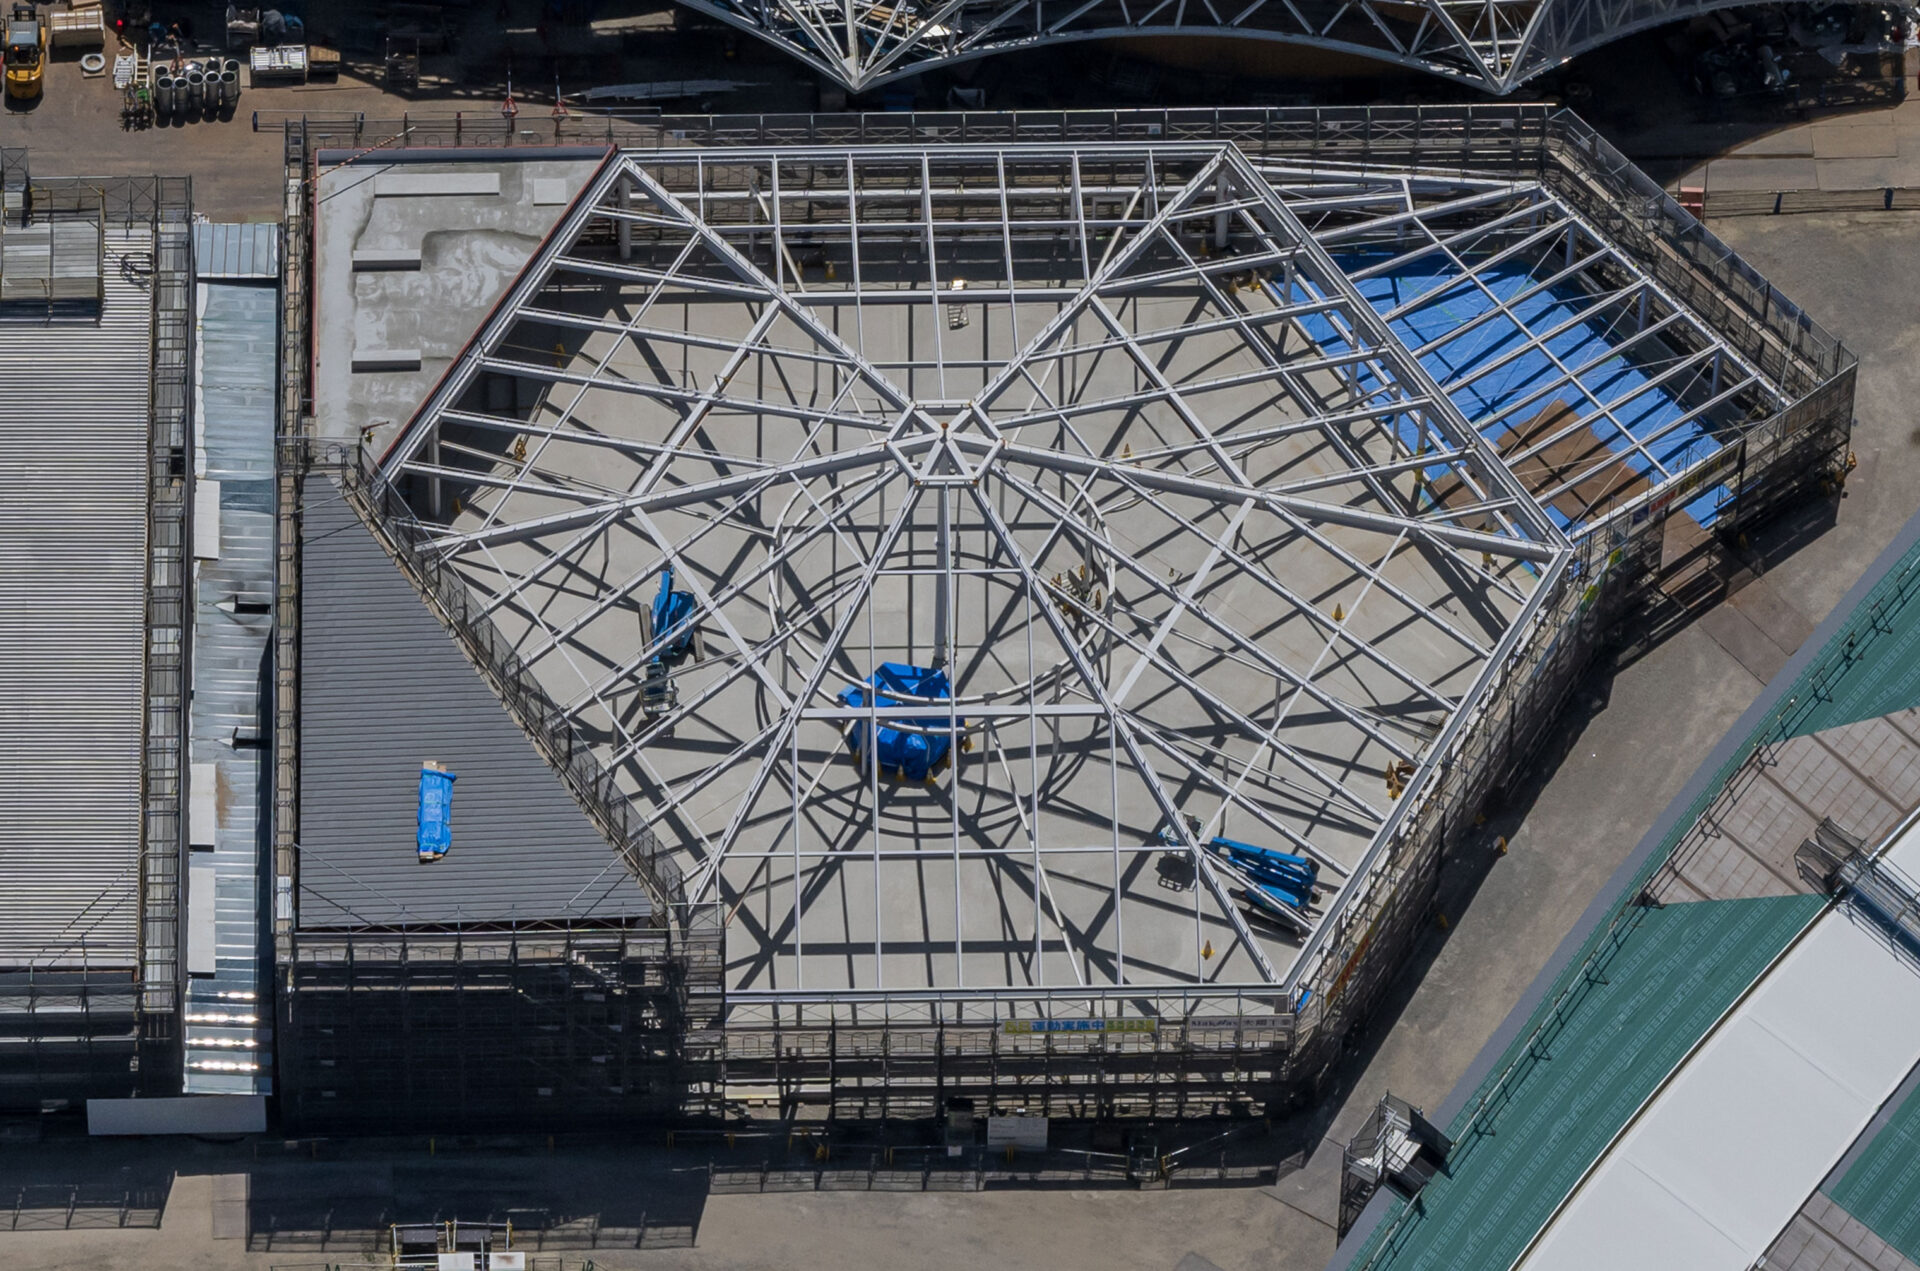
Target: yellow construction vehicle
point(26, 58)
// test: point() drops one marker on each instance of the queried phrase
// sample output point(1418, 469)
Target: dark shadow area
point(590, 1198)
point(46, 1186)
point(1712, 572)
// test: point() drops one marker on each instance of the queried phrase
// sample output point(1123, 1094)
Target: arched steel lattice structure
point(1131, 443)
point(1496, 45)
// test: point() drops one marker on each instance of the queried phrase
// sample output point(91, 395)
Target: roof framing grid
point(1103, 433)
point(1494, 44)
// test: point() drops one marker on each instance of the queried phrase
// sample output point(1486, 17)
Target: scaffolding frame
point(540, 1025)
point(169, 676)
point(903, 1048)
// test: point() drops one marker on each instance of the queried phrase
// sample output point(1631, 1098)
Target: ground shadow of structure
point(569, 1200)
point(46, 1190)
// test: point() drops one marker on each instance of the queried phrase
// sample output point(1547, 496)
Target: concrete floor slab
point(383, 336)
point(1899, 171)
point(1762, 174)
point(1854, 141)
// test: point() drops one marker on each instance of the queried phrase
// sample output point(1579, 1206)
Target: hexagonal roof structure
point(1220, 494)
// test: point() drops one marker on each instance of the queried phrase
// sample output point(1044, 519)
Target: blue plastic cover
point(913, 755)
point(436, 812)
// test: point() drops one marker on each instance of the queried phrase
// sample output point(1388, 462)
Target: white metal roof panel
point(239, 251)
point(1722, 1157)
point(235, 403)
point(73, 530)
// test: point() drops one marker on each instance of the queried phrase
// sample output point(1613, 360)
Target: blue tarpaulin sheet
point(436, 812)
point(1487, 366)
point(912, 755)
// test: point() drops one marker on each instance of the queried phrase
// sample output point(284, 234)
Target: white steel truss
point(1494, 44)
point(1127, 441)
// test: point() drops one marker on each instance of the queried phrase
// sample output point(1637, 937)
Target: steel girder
point(1496, 45)
point(1113, 434)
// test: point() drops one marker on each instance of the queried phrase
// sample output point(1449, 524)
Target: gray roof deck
point(383, 688)
point(73, 531)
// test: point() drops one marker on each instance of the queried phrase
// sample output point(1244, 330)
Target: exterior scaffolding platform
point(1278, 486)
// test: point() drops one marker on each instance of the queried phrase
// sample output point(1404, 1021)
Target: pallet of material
point(285, 64)
point(322, 62)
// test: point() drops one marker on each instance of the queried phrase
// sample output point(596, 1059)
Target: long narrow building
point(95, 293)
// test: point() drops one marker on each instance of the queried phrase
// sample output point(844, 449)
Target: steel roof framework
point(755, 368)
point(1494, 44)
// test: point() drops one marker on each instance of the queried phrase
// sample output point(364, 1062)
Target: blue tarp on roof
point(912, 754)
point(435, 835)
point(1498, 382)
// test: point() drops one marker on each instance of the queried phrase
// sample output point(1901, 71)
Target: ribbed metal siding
point(73, 492)
point(236, 383)
point(382, 688)
point(236, 251)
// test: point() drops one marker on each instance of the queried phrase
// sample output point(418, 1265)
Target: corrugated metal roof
point(383, 688)
point(236, 251)
point(237, 352)
point(1720, 1158)
point(50, 260)
point(73, 531)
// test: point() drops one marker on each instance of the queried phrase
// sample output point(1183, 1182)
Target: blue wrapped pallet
point(435, 833)
point(912, 755)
